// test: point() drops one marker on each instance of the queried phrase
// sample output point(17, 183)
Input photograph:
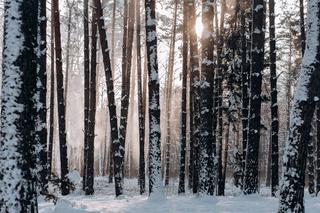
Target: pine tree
point(116, 147)
point(254, 124)
point(274, 103)
point(141, 105)
point(92, 107)
point(61, 101)
point(154, 96)
point(19, 140)
point(194, 101)
point(86, 87)
point(292, 187)
point(207, 145)
point(181, 188)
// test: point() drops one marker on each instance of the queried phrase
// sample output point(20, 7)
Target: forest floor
point(104, 201)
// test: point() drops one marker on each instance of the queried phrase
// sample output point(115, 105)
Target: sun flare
point(199, 27)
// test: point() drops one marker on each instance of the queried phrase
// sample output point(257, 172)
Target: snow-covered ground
point(104, 201)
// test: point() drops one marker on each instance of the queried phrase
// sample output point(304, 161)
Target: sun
point(199, 27)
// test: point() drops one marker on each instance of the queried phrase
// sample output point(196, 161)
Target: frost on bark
point(306, 92)
point(207, 145)
point(19, 139)
point(117, 149)
point(155, 181)
point(257, 62)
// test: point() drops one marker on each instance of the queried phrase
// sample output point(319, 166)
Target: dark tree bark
point(318, 151)
point(302, 27)
point(86, 87)
point(274, 103)
point(207, 145)
point(292, 188)
point(20, 149)
point(40, 100)
point(141, 106)
point(219, 100)
point(194, 101)
point(61, 102)
point(116, 147)
point(183, 138)
point(244, 85)
point(257, 51)
point(154, 102)
point(311, 186)
point(92, 107)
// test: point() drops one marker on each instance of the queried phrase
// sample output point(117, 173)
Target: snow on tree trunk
point(194, 100)
point(61, 102)
point(155, 182)
point(40, 99)
point(117, 149)
point(207, 145)
point(306, 92)
point(19, 139)
point(257, 51)
point(274, 103)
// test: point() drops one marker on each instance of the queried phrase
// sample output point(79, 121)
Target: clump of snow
point(65, 206)
point(74, 177)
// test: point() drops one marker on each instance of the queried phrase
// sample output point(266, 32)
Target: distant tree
point(154, 99)
point(292, 187)
point(21, 145)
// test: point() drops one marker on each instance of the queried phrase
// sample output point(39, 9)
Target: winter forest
point(178, 106)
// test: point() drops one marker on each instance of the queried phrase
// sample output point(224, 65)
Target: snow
point(105, 202)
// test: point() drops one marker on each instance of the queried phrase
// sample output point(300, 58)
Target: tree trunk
point(141, 106)
point(182, 172)
point(194, 101)
point(302, 27)
point(86, 87)
point(292, 188)
point(92, 107)
point(52, 88)
point(41, 100)
point(219, 100)
point(154, 102)
point(116, 147)
point(311, 187)
point(274, 103)
point(61, 102)
point(20, 143)
point(257, 51)
point(207, 145)
point(318, 150)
